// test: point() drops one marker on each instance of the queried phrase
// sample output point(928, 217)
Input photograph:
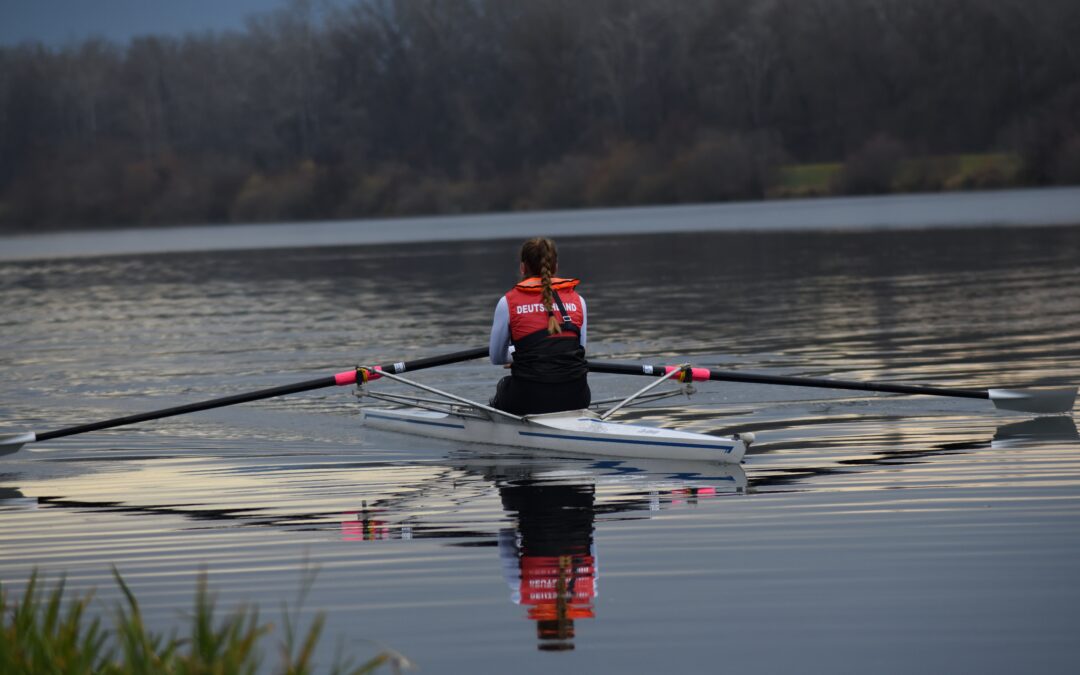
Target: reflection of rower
point(549, 559)
point(364, 525)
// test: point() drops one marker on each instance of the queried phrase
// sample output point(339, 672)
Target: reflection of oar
point(1057, 429)
point(12, 442)
point(1024, 400)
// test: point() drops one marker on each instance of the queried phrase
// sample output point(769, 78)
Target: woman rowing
point(539, 330)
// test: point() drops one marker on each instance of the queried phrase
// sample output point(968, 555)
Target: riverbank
point(1034, 207)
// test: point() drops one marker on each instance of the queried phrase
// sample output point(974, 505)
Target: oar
point(11, 442)
point(1023, 400)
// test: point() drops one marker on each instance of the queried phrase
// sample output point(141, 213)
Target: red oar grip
point(696, 374)
point(344, 378)
point(361, 374)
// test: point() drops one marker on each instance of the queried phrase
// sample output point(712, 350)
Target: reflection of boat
point(643, 474)
point(624, 486)
point(577, 431)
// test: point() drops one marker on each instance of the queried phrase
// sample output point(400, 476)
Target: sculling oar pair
point(1022, 400)
point(11, 442)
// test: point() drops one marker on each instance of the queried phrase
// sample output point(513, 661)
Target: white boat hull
point(578, 432)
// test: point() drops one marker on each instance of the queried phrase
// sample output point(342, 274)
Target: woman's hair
point(541, 259)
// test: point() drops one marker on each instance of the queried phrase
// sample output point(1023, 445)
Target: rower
point(539, 333)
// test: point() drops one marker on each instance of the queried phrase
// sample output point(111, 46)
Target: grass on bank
point(921, 174)
point(47, 633)
point(807, 180)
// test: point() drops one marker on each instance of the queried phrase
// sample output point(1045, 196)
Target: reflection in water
point(548, 558)
point(12, 498)
point(545, 529)
point(542, 516)
point(549, 553)
point(1058, 428)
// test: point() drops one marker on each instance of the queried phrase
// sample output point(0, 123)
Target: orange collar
point(533, 284)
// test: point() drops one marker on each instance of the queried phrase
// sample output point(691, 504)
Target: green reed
point(45, 634)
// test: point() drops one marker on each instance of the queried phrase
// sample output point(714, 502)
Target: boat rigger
point(578, 432)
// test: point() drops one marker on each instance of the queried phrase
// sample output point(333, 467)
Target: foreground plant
point(39, 635)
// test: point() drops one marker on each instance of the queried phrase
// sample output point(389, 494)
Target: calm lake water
point(863, 533)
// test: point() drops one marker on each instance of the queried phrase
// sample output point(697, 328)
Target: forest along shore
point(1036, 207)
point(359, 109)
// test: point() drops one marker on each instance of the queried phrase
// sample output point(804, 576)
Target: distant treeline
point(383, 107)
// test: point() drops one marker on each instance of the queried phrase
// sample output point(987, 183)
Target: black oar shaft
point(192, 407)
point(295, 388)
point(734, 376)
point(430, 361)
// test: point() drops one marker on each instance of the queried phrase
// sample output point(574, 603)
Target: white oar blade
point(10, 443)
point(1035, 400)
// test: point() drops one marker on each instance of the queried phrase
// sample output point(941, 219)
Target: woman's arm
point(584, 320)
point(499, 345)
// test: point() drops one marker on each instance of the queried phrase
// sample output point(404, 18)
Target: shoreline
point(1059, 206)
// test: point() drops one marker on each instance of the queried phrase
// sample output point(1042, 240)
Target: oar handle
point(340, 379)
point(703, 374)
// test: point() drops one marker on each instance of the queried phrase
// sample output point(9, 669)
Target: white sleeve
point(499, 345)
point(584, 320)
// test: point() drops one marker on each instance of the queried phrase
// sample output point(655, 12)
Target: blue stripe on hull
point(726, 448)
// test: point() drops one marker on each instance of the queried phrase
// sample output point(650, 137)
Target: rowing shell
point(579, 432)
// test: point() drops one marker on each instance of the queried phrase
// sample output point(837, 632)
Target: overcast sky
point(56, 22)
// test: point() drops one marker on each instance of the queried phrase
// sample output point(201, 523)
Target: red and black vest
point(539, 355)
